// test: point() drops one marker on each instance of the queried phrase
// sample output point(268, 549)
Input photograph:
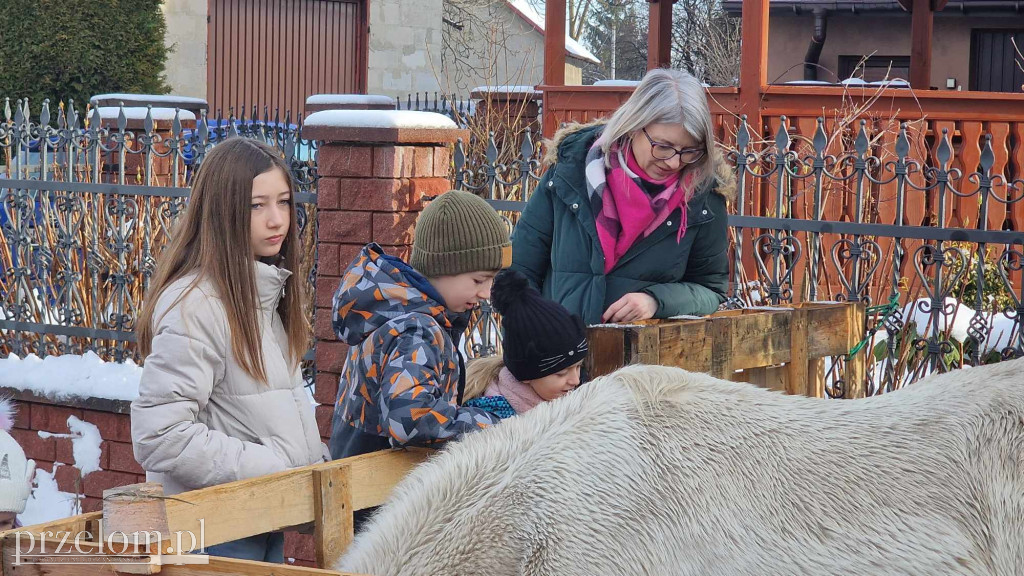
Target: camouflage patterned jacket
point(402, 374)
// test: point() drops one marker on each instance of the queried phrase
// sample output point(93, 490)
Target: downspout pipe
point(817, 43)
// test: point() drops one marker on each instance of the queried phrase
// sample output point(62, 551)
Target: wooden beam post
point(797, 368)
point(921, 22)
point(856, 364)
point(754, 62)
point(659, 34)
point(554, 42)
point(333, 528)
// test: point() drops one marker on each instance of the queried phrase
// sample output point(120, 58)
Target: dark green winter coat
point(556, 245)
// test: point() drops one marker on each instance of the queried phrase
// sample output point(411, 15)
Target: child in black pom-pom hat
point(544, 348)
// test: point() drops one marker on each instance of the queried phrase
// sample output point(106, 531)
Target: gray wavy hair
point(666, 97)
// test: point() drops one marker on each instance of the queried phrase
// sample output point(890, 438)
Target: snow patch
point(47, 502)
point(85, 444)
point(362, 99)
point(402, 119)
point(139, 113)
point(168, 98)
point(70, 375)
point(505, 89)
point(617, 83)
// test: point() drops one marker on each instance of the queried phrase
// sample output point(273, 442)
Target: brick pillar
point(135, 109)
point(375, 169)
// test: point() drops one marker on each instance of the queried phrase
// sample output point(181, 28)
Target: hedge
point(70, 49)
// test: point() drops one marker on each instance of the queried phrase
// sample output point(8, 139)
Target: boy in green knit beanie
point(404, 376)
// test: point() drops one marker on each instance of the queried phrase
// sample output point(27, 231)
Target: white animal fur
point(654, 470)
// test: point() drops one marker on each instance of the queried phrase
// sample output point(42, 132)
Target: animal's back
point(899, 484)
point(658, 471)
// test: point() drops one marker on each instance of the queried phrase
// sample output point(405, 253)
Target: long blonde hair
point(213, 240)
point(480, 372)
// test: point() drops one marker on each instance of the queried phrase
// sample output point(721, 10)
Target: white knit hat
point(16, 472)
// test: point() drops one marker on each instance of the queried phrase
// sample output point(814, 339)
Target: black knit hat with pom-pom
point(541, 336)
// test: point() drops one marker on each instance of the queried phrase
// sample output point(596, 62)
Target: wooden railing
point(966, 115)
point(967, 118)
point(321, 497)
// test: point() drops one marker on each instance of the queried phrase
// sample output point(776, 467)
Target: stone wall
point(186, 35)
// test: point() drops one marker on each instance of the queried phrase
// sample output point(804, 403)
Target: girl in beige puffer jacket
point(222, 332)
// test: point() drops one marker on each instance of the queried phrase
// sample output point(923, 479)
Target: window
point(874, 68)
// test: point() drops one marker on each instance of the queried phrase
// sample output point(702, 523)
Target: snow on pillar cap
point(318, 102)
point(382, 126)
point(194, 105)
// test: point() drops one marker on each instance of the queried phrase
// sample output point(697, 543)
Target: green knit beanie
point(459, 232)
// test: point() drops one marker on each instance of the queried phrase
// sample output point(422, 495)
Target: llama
point(654, 470)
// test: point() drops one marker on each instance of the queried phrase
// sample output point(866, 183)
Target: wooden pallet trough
point(782, 348)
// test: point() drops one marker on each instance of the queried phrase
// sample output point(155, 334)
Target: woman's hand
point(630, 308)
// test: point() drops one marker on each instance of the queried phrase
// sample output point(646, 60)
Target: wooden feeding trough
point(782, 348)
point(320, 498)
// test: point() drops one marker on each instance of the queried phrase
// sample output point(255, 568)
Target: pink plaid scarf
point(624, 212)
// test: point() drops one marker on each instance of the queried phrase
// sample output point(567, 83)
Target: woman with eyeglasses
point(629, 220)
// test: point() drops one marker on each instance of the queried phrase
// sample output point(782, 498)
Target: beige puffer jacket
point(200, 420)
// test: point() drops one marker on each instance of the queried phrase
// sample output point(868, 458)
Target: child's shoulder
point(497, 405)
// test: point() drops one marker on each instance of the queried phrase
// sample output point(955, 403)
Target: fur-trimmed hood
point(724, 176)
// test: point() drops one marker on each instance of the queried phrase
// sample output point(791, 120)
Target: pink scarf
point(520, 396)
point(626, 212)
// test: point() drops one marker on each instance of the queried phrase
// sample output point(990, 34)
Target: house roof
point(854, 6)
point(572, 47)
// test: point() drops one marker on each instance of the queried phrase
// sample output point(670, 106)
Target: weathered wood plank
point(776, 378)
point(686, 345)
point(856, 365)
point(721, 348)
point(829, 328)
point(755, 340)
point(816, 378)
point(645, 345)
point(796, 368)
point(332, 507)
point(607, 350)
point(286, 498)
point(224, 513)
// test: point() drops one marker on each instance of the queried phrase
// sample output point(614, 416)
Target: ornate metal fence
point(85, 204)
point(839, 229)
point(945, 281)
point(458, 109)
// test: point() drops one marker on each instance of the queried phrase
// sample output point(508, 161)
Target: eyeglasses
point(666, 152)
